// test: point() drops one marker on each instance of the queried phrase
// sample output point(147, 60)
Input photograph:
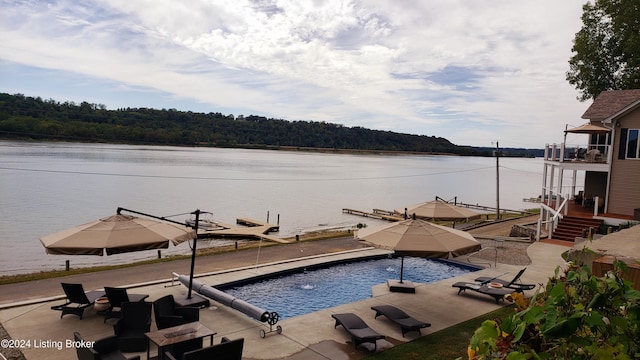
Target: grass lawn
point(449, 343)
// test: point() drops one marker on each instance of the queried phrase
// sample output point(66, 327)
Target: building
point(605, 174)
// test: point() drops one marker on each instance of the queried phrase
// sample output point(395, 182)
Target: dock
point(250, 229)
point(376, 214)
point(253, 223)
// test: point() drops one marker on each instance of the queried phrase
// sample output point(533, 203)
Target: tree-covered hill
point(24, 117)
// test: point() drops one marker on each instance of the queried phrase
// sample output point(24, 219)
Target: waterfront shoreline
point(509, 253)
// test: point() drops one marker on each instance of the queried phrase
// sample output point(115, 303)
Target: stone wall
point(523, 231)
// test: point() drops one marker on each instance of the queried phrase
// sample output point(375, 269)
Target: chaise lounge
point(513, 284)
point(406, 322)
point(77, 299)
point(359, 330)
point(498, 293)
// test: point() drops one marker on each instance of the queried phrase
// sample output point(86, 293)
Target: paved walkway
point(310, 336)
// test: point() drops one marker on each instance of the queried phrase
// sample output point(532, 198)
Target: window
point(632, 144)
point(600, 142)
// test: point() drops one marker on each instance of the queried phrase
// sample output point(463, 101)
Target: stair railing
point(552, 221)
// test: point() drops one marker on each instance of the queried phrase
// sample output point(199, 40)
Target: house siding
point(624, 191)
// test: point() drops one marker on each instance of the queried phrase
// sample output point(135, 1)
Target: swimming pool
point(308, 290)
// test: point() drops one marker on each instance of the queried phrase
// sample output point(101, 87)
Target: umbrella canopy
point(439, 210)
point(588, 129)
point(420, 238)
point(116, 234)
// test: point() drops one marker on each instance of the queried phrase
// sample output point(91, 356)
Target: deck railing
point(591, 153)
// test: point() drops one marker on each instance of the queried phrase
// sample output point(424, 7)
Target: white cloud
point(456, 69)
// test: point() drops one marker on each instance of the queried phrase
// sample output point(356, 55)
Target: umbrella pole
point(401, 268)
point(195, 240)
point(193, 253)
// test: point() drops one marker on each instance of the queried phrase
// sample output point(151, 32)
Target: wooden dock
point(376, 214)
point(251, 229)
point(253, 223)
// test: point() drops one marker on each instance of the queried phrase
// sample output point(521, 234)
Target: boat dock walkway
point(253, 223)
point(376, 214)
point(251, 228)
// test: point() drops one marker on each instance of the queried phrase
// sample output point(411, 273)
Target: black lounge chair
point(102, 349)
point(497, 293)
point(227, 349)
point(513, 284)
point(406, 322)
point(116, 297)
point(359, 330)
point(77, 299)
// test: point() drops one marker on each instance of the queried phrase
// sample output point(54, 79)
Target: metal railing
point(495, 261)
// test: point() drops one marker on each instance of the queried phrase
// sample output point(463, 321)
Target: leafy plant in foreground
point(579, 316)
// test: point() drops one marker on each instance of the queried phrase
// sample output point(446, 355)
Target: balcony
point(593, 157)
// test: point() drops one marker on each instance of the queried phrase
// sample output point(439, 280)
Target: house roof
point(610, 103)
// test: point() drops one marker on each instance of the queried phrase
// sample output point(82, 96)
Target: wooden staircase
point(571, 227)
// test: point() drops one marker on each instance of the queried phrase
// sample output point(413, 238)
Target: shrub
point(579, 316)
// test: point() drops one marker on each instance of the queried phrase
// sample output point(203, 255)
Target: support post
point(193, 253)
point(497, 181)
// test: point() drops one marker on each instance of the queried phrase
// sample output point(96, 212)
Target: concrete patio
point(310, 336)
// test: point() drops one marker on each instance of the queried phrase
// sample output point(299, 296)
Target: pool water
point(304, 292)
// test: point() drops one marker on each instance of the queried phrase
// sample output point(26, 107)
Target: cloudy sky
point(474, 72)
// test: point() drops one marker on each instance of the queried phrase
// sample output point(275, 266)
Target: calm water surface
point(47, 187)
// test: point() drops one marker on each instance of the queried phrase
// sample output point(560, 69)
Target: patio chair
point(116, 297)
point(513, 284)
point(578, 199)
point(593, 155)
point(359, 330)
point(105, 348)
point(130, 328)
point(406, 322)
point(168, 313)
point(498, 293)
point(227, 349)
point(77, 299)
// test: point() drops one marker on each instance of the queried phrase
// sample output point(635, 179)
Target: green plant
point(579, 316)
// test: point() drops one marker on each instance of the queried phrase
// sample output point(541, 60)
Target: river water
point(46, 187)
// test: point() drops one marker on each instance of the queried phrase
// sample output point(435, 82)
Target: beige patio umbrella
point(588, 129)
point(419, 238)
point(116, 234)
point(439, 210)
